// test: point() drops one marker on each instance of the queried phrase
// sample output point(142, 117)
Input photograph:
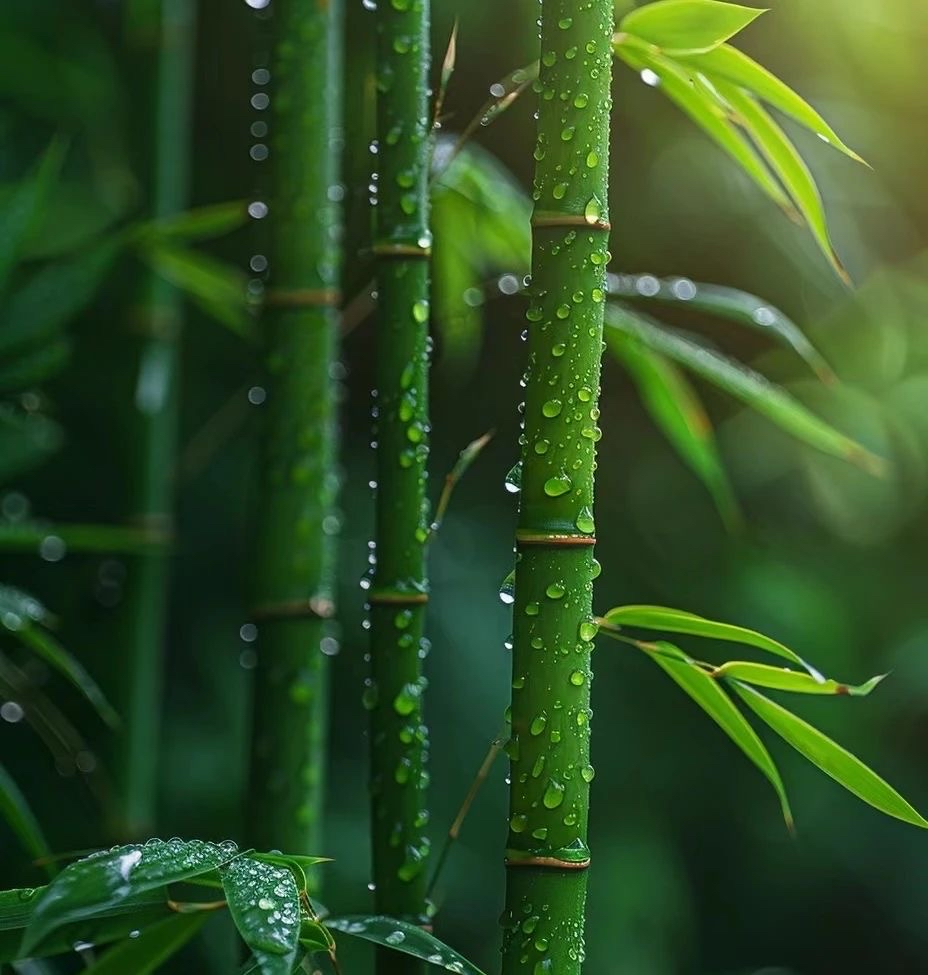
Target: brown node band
point(303, 297)
point(318, 608)
point(548, 863)
point(569, 220)
point(389, 597)
point(389, 249)
point(553, 539)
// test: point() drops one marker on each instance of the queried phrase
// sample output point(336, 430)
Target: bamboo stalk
point(158, 323)
point(399, 738)
point(547, 853)
point(295, 549)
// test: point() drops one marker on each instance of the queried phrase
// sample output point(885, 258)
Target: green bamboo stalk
point(399, 738)
point(168, 25)
point(547, 853)
point(295, 558)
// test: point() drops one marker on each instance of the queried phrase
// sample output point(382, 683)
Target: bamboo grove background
point(693, 871)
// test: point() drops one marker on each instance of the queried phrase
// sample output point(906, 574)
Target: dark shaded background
point(693, 870)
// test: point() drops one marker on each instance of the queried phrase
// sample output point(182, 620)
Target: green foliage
point(706, 685)
point(15, 809)
point(681, 44)
point(125, 895)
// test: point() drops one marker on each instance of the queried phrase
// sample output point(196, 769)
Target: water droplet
point(553, 795)
point(556, 486)
point(588, 630)
point(420, 312)
point(507, 591)
point(538, 725)
point(551, 408)
point(555, 591)
point(578, 678)
point(518, 823)
point(585, 522)
point(514, 478)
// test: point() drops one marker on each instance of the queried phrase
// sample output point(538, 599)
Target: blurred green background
point(693, 870)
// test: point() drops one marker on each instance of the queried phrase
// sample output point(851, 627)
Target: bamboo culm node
point(553, 625)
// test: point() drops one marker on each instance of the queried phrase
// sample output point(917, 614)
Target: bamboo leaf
point(786, 162)
point(466, 457)
point(34, 366)
point(668, 620)
point(44, 645)
point(15, 809)
point(24, 205)
point(54, 295)
point(743, 384)
point(217, 287)
point(731, 304)
point(117, 878)
point(26, 439)
point(835, 761)
point(27, 536)
point(404, 937)
point(143, 954)
point(728, 63)
point(705, 111)
point(688, 25)
point(784, 679)
point(200, 223)
point(265, 906)
point(707, 693)
point(673, 405)
point(294, 862)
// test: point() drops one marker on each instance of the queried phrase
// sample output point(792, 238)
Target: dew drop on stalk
point(513, 480)
point(518, 823)
point(577, 678)
point(588, 630)
point(538, 725)
point(585, 522)
point(555, 591)
point(507, 594)
point(553, 794)
point(551, 408)
point(556, 486)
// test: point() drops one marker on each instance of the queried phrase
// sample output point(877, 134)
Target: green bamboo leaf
point(54, 295)
point(153, 946)
point(784, 679)
point(24, 206)
point(675, 408)
point(707, 693)
point(34, 366)
point(218, 288)
point(835, 761)
point(44, 645)
point(15, 809)
point(265, 905)
point(678, 85)
point(404, 937)
point(117, 878)
point(27, 536)
point(688, 25)
point(668, 620)
point(296, 863)
point(728, 63)
point(466, 457)
point(200, 223)
point(731, 304)
point(784, 159)
point(26, 439)
point(743, 384)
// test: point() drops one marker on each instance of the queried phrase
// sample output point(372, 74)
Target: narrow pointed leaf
point(466, 457)
point(729, 63)
point(265, 905)
point(784, 159)
point(403, 937)
point(667, 620)
point(688, 25)
point(15, 809)
point(743, 384)
point(112, 878)
point(830, 757)
point(784, 679)
point(23, 206)
point(44, 645)
point(217, 287)
point(674, 406)
point(200, 223)
point(54, 295)
point(707, 693)
point(153, 946)
point(731, 304)
point(678, 85)
point(112, 924)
